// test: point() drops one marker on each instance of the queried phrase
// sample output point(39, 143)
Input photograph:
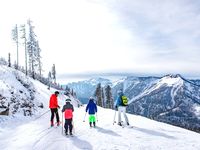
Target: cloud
point(127, 36)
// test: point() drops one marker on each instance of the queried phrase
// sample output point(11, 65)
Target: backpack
point(124, 100)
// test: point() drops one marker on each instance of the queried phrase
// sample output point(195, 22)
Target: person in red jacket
point(53, 105)
point(68, 113)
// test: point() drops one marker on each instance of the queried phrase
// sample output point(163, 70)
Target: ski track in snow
point(145, 135)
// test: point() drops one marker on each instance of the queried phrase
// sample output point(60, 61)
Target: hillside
point(171, 99)
point(20, 95)
point(20, 132)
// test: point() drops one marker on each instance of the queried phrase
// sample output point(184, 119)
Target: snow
point(170, 81)
point(18, 132)
point(174, 82)
point(197, 110)
point(145, 134)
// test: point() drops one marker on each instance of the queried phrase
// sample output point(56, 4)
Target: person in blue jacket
point(91, 108)
point(121, 108)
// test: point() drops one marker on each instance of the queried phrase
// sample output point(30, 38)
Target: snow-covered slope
point(19, 132)
point(23, 96)
point(145, 135)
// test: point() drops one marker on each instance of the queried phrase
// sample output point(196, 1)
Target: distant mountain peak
point(98, 79)
point(173, 75)
point(172, 79)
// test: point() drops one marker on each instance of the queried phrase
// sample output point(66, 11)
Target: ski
point(126, 126)
point(68, 136)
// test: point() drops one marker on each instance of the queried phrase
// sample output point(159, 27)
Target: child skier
point(68, 113)
point(92, 109)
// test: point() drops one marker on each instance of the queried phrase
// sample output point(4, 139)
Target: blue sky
point(109, 36)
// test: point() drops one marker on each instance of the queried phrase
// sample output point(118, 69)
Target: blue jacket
point(118, 101)
point(92, 107)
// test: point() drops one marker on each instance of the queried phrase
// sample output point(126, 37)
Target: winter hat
point(91, 98)
point(68, 100)
point(56, 92)
point(120, 91)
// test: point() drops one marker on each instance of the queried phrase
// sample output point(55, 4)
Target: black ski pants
point(54, 111)
point(68, 124)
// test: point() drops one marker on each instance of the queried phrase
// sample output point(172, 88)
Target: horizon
point(70, 78)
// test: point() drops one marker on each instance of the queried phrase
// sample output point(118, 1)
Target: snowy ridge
point(169, 99)
point(175, 83)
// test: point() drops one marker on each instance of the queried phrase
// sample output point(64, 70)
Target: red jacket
point(68, 114)
point(68, 110)
point(53, 102)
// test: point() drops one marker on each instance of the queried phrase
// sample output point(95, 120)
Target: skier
point(68, 110)
point(121, 107)
point(53, 105)
point(92, 109)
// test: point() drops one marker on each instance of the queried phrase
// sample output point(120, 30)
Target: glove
point(58, 107)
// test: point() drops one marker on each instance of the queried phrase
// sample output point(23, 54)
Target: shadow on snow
point(154, 133)
point(81, 144)
point(106, 131)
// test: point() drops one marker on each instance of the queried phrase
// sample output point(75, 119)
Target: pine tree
point(109, 98)
point(23, 32)
point(9, 60)
point(49, 80)
point(54, 73)
point(15, 38)
point(98, 94)
point(103, 97)
point(31, 46)
point(72, 92)
point(67, 88)
point(38, 58)
point(34, 51)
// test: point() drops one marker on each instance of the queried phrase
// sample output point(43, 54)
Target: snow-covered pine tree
point(15, 39)
point(9, 60)
point(23, 37)
point(103, 97)
point(54, 73)
point(109, 98)
point(3, 61)
point(98, 94)
point(34, 51)
point(38, 59)
point(15, 65)
point(31, 47)
point(72, 92)
point(49, 80)
point(67, 88)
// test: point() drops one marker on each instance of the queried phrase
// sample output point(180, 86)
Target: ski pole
point(42, 114)
point(97, 117)
point(62, 123)
point(114, 118)
point(73, 126)
point(84, 117)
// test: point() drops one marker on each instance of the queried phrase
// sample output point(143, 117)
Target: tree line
point(25, 35)
point(104, 96)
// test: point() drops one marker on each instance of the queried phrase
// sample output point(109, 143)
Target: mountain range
point(171, 99)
